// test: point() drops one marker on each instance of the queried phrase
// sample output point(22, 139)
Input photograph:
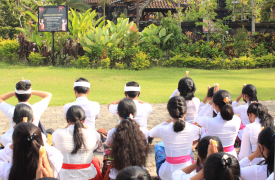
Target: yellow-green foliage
point(36, 58)
point(81, 62)
point(140, 61)
point(105, 63)
point(9, 49)
point(120, 65)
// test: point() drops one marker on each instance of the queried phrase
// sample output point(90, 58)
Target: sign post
point(53, 19)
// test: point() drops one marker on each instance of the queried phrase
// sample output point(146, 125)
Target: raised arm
point(43, 94)
point(6, 96)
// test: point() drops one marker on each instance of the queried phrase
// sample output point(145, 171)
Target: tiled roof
point(154, 4)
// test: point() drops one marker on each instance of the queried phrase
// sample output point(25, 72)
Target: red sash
point(75, 166)
point(228, 148)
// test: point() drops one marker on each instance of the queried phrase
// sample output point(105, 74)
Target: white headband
point(131, 88)
point(29, 91)
point(83, 84)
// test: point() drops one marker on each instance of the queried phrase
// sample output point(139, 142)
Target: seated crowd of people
point(211, 127)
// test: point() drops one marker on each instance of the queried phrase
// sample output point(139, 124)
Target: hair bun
point(226, 160)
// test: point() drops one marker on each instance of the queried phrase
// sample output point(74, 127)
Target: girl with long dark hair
point(265, 148)
point(249, 94)
point(77, 142)
point(177, 136)
point(187, 89)
point(225, 125)
point(19, 161)
point(258, 118)
point(127, 140)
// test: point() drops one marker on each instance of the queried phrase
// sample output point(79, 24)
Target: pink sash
point(178, 160)
point(242, 126)
point(228, 148)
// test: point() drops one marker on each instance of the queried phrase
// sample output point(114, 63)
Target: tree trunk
point(144, 6)
point(253, 17)
point(137, 16)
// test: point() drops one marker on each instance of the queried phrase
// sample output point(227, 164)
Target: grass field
point(157, 84)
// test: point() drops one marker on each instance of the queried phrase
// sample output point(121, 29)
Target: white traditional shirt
point(6, 138)
point(143, 111)
point(242, 111)
point(109, 142)
point(55, 158)
point(192, 107)
point(38, 109)
point(255, 172)
point(210, 114)
point(91, 108)
point(176, 144)
point(225, 130)
point(180, 175)
point(271, 177)
point(250, 138)
point(63, 140)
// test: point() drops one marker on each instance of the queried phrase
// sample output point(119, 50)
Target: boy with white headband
point(91, 108)
point(23, 93)
point(132, 91)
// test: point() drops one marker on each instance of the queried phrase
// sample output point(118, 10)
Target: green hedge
point(243, 62)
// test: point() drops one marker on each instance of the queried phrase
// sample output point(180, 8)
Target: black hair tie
point(226, 160)
point(31, 137)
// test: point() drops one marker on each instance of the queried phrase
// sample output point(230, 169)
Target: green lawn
point(157, 84)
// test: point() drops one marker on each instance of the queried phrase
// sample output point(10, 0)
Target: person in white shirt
point(204, 146)
point(127, 140)
point(249, 94)
point(225, 125)
point(91, 108)
point(23, 93)
point(258, 118)
point(77, 142)
point(266, 149)
point(132, 91)
point(20, 160)
point(187, 89)
point(178, 137)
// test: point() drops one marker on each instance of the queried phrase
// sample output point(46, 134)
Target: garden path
point(52, 118)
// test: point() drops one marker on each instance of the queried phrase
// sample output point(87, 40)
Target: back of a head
point(132, 94)
point(251, 91)
point(27, 140)
point(76, 114)
point(133, 173)
point(210, 92)
point(126, 107)
point(266, 139)
point(187, 88)
point(23, 86)
point(129, 144)
point(81, 89)
point(203, 146)
point(22, 111)
point(177, 109)
point(222, 166)
point(223, 100)
point(260, 111)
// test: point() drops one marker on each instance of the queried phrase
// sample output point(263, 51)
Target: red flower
point(133, 28)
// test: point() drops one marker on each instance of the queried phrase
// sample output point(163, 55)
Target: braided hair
point(177, 109)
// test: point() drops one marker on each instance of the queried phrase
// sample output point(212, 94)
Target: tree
point(103, 3)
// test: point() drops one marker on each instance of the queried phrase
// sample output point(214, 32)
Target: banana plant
point(79, 24)
point(109, 35)
point(155, 34)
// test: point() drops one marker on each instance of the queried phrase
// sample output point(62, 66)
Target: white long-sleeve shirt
point(143, 111)
point(176, 144)
point(91, 108)
point(63, 140)
point(192, 107)
point(55, 158)
point(38, 109)
point(225, 130)
point(242, 111)
point(255, 172)
point(250, 138)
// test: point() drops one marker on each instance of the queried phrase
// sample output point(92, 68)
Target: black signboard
point(53, 18)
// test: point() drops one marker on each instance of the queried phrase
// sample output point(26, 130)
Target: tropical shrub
point(9, 50)
point(36, 58)
point(140, 61)
point(81, 62)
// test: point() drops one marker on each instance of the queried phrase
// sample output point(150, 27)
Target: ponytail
point(179, 125)
point(227, 112)
point(76, 114)
point(223, 100)
point(261, 112)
